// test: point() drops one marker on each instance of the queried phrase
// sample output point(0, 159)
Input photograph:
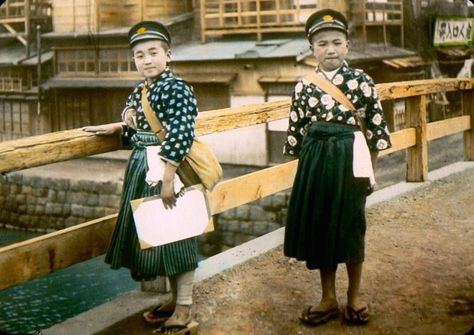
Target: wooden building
point(19, 76)
point(92, 16)
point(233, 52)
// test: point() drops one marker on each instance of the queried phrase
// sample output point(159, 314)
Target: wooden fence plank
point(54, 147)
point(39, 256)
point(251, 187)
point(71, 144)
point(406, 89)
point(401, 139)
point(448, 127)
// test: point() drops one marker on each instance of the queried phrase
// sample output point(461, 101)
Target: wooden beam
point(401, 139)
point(253, 186)
point(71, 144)
point(39, 256)
point(406, 89)
point(54, 147)
point(417, 160)
point(448, 127)
point(16, 34)
point(238, 117)
point(468, 110)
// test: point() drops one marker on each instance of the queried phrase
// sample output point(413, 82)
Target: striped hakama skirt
point(124, 249)
point(326, 216)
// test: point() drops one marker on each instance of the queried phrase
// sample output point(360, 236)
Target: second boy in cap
point(326, 216)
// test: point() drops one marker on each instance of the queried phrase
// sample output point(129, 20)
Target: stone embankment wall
point(46, 204)
point(40, 204)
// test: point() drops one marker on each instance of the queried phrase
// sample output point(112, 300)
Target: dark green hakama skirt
point(326, 216)
point(124, 249)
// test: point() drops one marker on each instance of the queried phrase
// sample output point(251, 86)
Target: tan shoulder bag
point(200, 165)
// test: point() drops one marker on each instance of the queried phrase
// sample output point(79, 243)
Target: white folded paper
point(156, 225)
point(362, 163)
point(156, 168)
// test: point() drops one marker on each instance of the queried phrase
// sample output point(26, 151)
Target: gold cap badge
point(327, 18)
point(141, 30)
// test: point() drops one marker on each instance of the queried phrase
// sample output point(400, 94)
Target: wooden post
point(28, 26)
point(259, 19)
point(203, 20)
point(417, 156)
point(402, 29)
point(468, 109)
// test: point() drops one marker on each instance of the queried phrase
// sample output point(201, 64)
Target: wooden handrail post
point(417, 156)
point(468, 109)
point(202, 14)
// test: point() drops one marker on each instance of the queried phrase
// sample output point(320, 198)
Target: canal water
point(43, 302)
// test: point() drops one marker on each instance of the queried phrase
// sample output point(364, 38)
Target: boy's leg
point(184, 300)
point(184, 288)
point(162, 312)
point(328, 284)
point(327, 308)
point(354, 272)
point(356, 311)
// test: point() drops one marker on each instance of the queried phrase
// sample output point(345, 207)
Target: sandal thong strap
point(315, 318)
point(358, 317)
point(179, 329)
point(156, 315)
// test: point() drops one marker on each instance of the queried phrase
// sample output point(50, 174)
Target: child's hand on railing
point(106, 129)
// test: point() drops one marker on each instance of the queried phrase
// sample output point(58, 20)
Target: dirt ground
point(418, 276)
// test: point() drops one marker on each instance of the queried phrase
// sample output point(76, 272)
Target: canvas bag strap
point(330, 89)
point(150, 115)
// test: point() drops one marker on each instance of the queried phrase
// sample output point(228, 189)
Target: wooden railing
point(387, 14)
point(11, 84)
point(220, 17)
point(19, 9)
point(30, 259)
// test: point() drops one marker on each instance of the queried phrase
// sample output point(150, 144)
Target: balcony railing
point(11, 84)
point(378, 13)
point(21, 9)
point(221, 17)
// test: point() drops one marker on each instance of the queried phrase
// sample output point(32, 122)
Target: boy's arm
point(180, 108)
point(377, 134)
point(167, 188)
point(294, 134)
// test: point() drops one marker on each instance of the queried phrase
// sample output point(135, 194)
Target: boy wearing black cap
point(326, 216)
point(173, 102)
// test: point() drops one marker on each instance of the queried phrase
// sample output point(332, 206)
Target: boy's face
point(330, 47)
point(151, 58)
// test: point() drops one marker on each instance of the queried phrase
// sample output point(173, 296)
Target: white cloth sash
point(156, 168)
point(362, 163)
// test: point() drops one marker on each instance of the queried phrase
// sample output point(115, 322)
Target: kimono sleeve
point(180, 108)
point(297, 122)
point(377, 134)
